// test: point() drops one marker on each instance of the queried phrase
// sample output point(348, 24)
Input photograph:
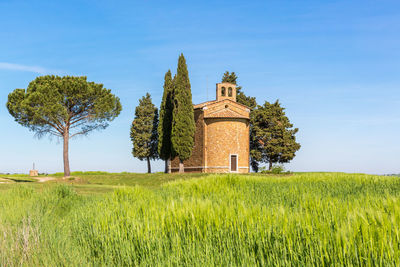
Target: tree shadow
point(18, 180)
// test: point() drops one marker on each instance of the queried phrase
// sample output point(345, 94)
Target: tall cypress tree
point(144, 131)
point(183, 125)
point(165, 122)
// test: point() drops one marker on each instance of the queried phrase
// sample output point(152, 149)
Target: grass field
point(98, 182)
point(197, 220)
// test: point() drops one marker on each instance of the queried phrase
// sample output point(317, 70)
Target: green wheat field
point(101, 219)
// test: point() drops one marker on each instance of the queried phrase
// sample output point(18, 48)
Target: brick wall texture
point(222, 130)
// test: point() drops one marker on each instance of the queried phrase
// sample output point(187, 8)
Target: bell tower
point(226, 91)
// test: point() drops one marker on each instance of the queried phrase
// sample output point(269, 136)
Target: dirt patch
point(9, 180)
point(44, 179)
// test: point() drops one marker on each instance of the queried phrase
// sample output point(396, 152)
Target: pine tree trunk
point(67, 171)
point(270, 166)
point(181, 167)
point(169, 165)
point(166, 166)
point(148, 165)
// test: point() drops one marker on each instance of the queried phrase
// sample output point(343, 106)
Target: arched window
point(223, 91)
point(230, 91)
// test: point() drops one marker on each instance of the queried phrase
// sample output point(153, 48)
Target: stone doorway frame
point(230, 163)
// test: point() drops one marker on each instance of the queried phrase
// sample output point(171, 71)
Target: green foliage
point(165, 123)
point(63, 191)
point(276, 169)
point(255, 165)
point(272, 136)
point(230, 77)
point(144, 130)
point(64, 107)
point(310, 219)
point(34, 227)
point(57, 105)
point(183, 126)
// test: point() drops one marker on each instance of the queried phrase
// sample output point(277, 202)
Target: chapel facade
point(221, 141)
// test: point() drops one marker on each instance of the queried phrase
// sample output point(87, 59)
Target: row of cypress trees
point(176, 128)
point(172, 133)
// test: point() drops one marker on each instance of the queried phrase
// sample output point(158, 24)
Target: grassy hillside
point(304, 219)
point(96, 182)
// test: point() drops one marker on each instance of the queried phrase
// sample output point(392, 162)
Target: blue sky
point(334, 66)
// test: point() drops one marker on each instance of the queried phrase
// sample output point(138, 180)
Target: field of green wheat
point(226, 220)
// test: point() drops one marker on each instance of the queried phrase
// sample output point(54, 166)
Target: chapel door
point(233, 163)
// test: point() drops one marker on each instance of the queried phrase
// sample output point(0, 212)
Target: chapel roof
point(225, 113)
point(201, 105)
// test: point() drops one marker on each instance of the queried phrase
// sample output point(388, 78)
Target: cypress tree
point(272, 135)
point(144, 131)
point(183, 125)
point(165, 122)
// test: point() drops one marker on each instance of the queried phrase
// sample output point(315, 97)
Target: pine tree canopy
point(144, 130)
point(63, 106)
point(165, 123)
point(183, 126)
point(59, 105)
point(272, 134)
point(230, 77)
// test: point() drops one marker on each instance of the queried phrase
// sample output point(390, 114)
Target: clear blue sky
point(334, 65)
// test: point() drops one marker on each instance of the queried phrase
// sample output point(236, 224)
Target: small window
point(230, 91)
point(223, 91)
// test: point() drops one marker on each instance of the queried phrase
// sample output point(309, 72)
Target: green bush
point(276, 169)
point(64, 191)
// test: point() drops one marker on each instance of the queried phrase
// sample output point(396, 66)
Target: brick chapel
point(221, 142)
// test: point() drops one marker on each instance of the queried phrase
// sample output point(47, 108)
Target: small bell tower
point(226, 91)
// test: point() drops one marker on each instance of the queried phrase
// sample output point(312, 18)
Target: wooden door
point(233, 163)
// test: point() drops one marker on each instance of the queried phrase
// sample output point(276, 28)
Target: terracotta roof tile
point(225, 113)
point(201, 105)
